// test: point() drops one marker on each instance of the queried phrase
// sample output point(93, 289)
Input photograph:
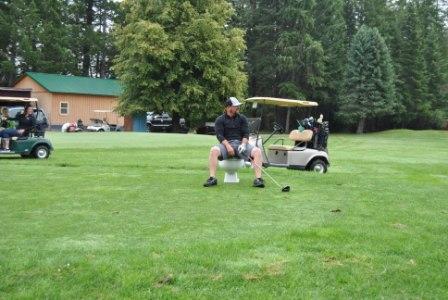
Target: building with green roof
point(66, 84)
point(67, 99)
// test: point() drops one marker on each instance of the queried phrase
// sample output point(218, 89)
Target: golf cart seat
point(296, 136)
point(304, 136)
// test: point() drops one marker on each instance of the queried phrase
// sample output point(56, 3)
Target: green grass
point(124, 215)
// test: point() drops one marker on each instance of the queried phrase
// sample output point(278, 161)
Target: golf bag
point(321, 132)
point(322, 136)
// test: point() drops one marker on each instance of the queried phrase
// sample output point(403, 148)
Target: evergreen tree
point(301, 57)
point(51, 42)
point(331, 31)
point(369, 85)
point(435, 53)
point(180, 57)
point(413, 75)
point(91, 23)
point(262, 34)
point(7, 43)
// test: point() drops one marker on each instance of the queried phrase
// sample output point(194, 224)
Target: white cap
point(232, 101)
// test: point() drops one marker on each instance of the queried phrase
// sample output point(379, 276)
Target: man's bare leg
point(258, 160)
point(213, 160)
point(5, 142)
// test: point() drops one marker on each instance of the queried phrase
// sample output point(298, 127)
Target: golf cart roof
point(102, 110)
point(281, 102)
point(17, 99)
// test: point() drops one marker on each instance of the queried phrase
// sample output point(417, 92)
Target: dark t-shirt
point(27, 122)
point(228, 128)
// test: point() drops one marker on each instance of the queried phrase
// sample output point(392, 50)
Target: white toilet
point(230, 167)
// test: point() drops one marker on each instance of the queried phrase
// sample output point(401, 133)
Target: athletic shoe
point(211, 182)
point(5, 150)
point(259, 182)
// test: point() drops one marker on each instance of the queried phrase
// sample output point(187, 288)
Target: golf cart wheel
point(41, 152)
point(319, 166)
point(101, 130)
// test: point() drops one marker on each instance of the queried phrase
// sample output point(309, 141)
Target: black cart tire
point(318, 166)
point(41, 152)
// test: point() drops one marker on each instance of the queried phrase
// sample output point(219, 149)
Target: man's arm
point(219, 129)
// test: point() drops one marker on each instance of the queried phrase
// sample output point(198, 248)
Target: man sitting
point(232, 131)
point(27, 121)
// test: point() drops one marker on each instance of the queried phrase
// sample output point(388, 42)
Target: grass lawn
point(124, 215)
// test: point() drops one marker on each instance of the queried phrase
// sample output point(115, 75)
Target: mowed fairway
point(124, 215)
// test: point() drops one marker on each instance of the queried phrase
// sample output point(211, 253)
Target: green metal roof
point(55, 83)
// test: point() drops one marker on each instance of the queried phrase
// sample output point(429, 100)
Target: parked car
point(206, 128)
point(98, 126)
point(163, 123)
point(159, 122)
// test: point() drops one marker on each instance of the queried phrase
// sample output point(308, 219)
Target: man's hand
point(242, 149)
point(230, 150)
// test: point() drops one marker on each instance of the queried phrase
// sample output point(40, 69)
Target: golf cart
point(33, 145)
point(307, 148)
point(105, 120)
point(98, 125)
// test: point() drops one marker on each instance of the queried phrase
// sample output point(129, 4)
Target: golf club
point(285, 188)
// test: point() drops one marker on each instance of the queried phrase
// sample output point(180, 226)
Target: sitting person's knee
point(215, 151)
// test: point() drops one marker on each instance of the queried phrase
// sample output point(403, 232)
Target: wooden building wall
point(79, 106)
point(83, 107)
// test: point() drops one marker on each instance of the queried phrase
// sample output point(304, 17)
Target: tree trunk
point(361, 125)
point(86, 47)
point(11, 77)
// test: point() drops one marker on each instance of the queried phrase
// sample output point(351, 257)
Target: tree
point(369, 84)
point(179, 56)
point(51, 36)
point(330, 29)
point(283, 56)
point(435, 53)
point(412, 72)
point(91, 22)
point(7, 44)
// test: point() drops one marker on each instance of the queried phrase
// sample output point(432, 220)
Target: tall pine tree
point(369, 85)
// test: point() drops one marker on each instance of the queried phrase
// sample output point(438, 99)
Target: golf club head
point(286, 189)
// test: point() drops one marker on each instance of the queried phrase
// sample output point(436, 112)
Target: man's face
point(29, 111)
point(232, 110)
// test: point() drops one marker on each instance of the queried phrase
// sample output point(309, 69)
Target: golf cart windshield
point(16, 105)
point(281, 102)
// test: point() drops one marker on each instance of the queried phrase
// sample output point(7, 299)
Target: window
point(63, 108)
